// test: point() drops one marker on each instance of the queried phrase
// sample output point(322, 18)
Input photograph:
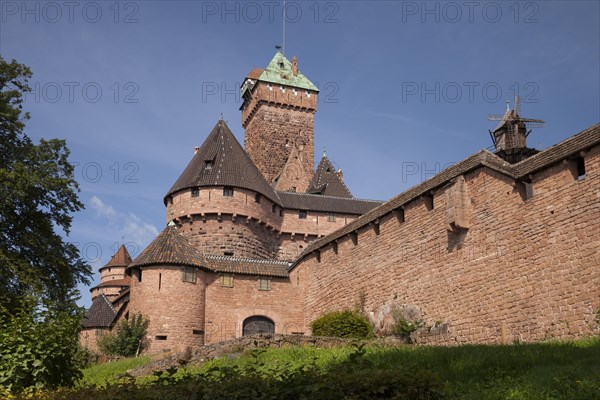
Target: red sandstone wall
point(227, 308)
point(88, 338)
point(268, 132)
point(111, 273)
point(530, 265)
point(257, 231)
point(174, 310)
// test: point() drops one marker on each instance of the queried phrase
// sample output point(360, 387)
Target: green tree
point(127, 338)
point(39, 270)
point(38, 195)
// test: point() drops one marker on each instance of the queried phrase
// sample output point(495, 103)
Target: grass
point(108, 373)
point(544, 371)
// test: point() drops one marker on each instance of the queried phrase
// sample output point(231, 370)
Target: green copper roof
point(279, 71)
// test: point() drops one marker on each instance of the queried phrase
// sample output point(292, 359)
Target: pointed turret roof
point(170, 247)
point(101, 313)
point(221, 161)
point(280, 72)
point(327, 181)
point(120, 259)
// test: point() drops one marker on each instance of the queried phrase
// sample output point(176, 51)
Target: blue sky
point(406, 88)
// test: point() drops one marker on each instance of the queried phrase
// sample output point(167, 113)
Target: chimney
point(196, 149)
point(340, 174)
point(295, 66)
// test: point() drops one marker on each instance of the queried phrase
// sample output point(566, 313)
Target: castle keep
point(500, 246)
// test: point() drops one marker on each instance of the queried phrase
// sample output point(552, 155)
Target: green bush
point(344, 324)
point(127, 338)
point(39, 347)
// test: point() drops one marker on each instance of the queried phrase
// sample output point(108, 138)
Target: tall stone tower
point(278, 109)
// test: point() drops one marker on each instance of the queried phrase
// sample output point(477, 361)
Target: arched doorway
point(258, 324)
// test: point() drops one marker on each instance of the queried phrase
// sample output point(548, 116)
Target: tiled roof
point(247, 266)
point(583, 140)
point(317, 202)
point(327, 181)
point(114, 283)
point(279, 71)
point(221, 161)
point(170, 247)
point(101, 314)
point(255, 73)
point(120, 259)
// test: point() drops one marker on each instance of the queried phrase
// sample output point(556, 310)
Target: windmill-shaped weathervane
point(510, 136)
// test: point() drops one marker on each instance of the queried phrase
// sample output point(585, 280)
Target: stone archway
point(258, 324)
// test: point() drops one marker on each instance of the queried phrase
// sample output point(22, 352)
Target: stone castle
point(499, 247)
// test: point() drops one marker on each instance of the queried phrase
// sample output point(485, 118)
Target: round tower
point(112, 276)
point(223, 204)
point(168, 286)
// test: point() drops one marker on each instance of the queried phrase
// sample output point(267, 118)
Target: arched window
point(258, 324)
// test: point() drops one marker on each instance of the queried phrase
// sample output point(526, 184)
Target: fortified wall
point(496, 251)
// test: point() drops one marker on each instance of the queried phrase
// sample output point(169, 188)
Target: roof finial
point(221, 116)
point(324, 152)
point(507, 105)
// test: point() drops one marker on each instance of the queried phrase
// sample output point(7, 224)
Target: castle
point(501, 246)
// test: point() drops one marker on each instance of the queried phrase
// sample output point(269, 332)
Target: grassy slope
point(559, 370)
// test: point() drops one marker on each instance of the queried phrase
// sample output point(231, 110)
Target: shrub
point(126, 340)
point(38, 346)
point(403, 327)
point(344, 324)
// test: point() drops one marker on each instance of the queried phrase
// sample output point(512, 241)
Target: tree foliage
point(38, 195)
point(39, 270)
point(126, 339)
point(38, 347)
point(345, 324)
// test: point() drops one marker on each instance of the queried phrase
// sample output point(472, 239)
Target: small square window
point(195, 192)
point(227, 280)
point(331, 217)
point(189, 275)
point(208, 164)
point(302, 214)
point(228, 191)
point(264, 283)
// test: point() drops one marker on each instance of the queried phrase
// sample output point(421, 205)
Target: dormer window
point(295, 92)
point(208, 164)
point(270, 86)
point(281, 65)
point(282, 89)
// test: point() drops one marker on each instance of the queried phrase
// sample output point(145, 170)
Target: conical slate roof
point(221, 161)
point(170, 247)
point(101, 314)
point(120, 259)
point(327, 181)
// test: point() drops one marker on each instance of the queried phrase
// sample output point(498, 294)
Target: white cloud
point(127, 225)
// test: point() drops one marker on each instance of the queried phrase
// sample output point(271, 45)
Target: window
point(197, 332)
point(195, 192)
point(580, 168)
point(140, 275)
point(228, 253)
point(331, 217)
point(170, 200)
point(428, 199)
point(189, 275)
point(273, 208)
point(160, 337)
point(257, 197)
point(302, 214)
point(228, 191)
point(227, 280)
point(208, 165)
point(264, 283)
point(293, 189)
